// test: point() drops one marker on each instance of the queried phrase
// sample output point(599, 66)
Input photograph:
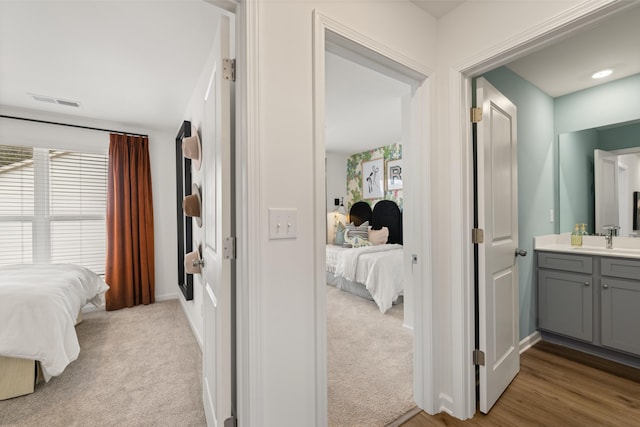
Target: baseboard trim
point(191, 325)
point(167, 297)
point(528, 342)
point(90, 308)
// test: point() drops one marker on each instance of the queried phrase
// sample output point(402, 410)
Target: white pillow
point(379, 237)
point(361, 230)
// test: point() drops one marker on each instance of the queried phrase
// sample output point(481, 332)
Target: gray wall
point(575, 179)
point(575, 116)
point(614, 102)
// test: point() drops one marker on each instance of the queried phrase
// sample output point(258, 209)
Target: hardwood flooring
point(557, 386)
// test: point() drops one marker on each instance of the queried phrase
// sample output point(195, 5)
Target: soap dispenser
point(576, 237)
point(583, 229)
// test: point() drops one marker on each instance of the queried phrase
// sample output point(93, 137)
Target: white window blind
point(52, 207)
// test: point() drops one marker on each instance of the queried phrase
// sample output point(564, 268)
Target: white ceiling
point(137, 62)
point(133, 62)
point(357, 119)
point(567, 66)
point(363, 107)
point(437, 9)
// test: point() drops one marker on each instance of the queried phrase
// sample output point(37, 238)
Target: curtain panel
point(130, 246)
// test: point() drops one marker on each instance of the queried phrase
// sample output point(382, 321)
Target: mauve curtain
point(130, 264)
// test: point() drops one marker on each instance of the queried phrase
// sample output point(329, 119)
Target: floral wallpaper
point(354, 174)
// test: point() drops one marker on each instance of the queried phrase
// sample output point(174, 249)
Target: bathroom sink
point(604, 251)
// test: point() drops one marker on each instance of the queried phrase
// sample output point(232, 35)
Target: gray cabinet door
point(565, 303)
point(620, 301)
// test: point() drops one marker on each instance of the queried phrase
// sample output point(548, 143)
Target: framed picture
point(373, 179)
point(394, 174)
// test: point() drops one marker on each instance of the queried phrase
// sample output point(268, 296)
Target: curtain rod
point(72, 126)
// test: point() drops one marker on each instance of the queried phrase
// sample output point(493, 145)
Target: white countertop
point(624, 247)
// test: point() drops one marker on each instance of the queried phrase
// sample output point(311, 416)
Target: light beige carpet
point(370, 362)
point(137, 367)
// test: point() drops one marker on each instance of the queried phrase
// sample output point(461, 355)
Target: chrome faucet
point(610, 231)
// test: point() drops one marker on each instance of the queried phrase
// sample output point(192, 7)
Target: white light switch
point(283, 223)
point(550, 215)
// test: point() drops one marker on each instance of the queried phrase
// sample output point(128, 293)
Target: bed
point(372, 271)
point(40, 305)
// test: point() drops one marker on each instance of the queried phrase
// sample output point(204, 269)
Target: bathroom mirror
point(616, 165)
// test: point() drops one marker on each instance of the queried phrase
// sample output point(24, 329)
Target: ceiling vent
point(51, 100)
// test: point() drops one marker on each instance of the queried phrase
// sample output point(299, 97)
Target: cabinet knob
point(605, 286)
point(586, 283)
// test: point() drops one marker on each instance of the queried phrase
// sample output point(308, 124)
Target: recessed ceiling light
point(601, 74)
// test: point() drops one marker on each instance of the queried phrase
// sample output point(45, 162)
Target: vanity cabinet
point(620, 304)
point(592, 300)
point(565, 295)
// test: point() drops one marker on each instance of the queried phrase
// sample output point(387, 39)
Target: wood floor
point(559, 387)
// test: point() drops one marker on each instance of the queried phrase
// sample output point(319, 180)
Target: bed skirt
point(346, 285)
point(20, 376)
point(354, 288)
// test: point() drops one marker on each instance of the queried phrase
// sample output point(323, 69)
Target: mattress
point(379, 268)
point(39, 304)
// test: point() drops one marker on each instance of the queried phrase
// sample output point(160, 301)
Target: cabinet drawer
point(618, 267)
point(565, 262)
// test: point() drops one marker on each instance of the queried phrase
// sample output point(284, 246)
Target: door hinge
point(477, 236)
point(478, 357)
point(232, 421)
point(229, 248)
point(476, 115)
point(229, 69)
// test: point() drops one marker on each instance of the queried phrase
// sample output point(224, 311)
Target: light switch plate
point(283, 223)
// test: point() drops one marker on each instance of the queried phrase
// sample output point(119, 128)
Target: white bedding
point(378, 267)
point(39, 304)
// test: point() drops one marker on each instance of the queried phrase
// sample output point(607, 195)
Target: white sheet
point(39, 304)
point(378, 267)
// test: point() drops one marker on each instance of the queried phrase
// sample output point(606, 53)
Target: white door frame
point(460, 76)
point(417, 218)
point(248, 210)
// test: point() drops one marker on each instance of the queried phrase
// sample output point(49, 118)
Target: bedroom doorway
point(373, 149)
point(364, 141)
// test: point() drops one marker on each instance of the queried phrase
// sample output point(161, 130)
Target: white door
point(606, 182)
point(624, 200)
point(218, 267)
point(497, 179)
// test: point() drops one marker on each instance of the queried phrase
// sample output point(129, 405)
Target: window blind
point(52, 207)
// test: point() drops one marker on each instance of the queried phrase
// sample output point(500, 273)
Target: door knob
point(521, 252)
point(198, 263)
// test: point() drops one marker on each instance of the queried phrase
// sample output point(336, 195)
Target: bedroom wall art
point(373, 179)
point(356, 182)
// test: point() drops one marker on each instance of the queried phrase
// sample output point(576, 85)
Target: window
point(52, 207)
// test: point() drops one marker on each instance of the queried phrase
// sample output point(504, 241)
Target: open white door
point(218, 248)
point(606, 182)
point(497, 191)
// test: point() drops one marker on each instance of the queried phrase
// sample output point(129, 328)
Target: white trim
point(319, 31)
point(528, 342)
point(249, 220)
point(194, 330)
point(463, 335)
point(90, 308)
point(166, 297)
point(386, 60)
